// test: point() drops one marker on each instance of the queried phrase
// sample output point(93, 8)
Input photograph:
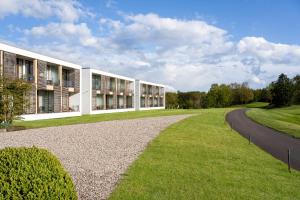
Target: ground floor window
point(143, 102)
point(120, 100)
point(99, 102)
point(45, 101)
point(129, 103)
point(109, 102)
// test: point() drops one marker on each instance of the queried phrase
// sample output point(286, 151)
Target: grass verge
point(201, 158)
point(286, 119)
point(32, 173)
point(101, 117)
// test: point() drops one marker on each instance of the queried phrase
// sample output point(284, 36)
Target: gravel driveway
point(97, 154)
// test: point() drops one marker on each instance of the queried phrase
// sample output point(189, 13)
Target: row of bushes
point(283, 91)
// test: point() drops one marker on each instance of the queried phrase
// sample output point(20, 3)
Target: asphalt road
point(272, 141)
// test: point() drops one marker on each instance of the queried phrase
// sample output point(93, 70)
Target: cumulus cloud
point(68, 32)
point(183, 54)
point(65, 10)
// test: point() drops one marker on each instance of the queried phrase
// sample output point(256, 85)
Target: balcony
point(99, 107)
point(53, 83)
point(28, 78)
point(68, 84)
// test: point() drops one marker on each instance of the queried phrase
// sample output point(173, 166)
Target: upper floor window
point(96, 82)
point(25, 69)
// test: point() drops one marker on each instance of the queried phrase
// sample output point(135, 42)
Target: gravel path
point(97, 154)
point(270, 140)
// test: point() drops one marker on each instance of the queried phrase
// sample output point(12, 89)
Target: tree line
point(282, 92)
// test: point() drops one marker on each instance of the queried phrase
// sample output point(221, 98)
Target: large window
point(99, 102)
point(121, 85)
point(25, 69)
point(52, 75)
point(45, 101)
point(96, 82)
point(109, 102)
point(111, 84)
point(143, 102)
point(120, 101)
point(129, 102)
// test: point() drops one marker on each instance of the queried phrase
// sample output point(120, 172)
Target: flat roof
point(97, 71)
point(22, 52)
point(150, 83)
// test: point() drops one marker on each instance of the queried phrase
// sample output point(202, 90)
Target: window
point(96, 82)
point(52, 75)
point(25, 69)
point(99, 102)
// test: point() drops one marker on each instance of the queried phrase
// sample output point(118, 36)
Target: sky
point(184, 44)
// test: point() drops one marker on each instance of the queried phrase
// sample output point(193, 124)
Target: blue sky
point(187, 45)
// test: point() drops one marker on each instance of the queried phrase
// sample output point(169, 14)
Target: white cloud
point(184, 54)
point(68, 32)
point(65, 10)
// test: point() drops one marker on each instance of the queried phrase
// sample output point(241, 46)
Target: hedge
point(33, 173)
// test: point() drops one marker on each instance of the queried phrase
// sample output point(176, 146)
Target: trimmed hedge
point(33, 173)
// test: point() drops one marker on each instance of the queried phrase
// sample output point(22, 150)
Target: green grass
point(32, 173)
point(201, 158)
point(283, 119)
point(101, 117)
point(257, 105)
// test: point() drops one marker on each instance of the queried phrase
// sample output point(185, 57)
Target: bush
point(32, 173)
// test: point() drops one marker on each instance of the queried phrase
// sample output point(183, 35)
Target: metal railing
point(67, 83)
point(28, 77)
point(51, 82)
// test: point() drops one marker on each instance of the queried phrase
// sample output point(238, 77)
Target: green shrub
point(32, 173)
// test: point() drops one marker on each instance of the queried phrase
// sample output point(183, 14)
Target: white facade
point(84, 98)
point(87, 91)
point(36, 56)
point(139, 95)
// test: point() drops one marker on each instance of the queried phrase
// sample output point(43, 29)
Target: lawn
point(101, 117)
point(201, 158)
point(283, 119)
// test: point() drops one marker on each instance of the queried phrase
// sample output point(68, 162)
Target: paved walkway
point(96, 155)
point(270, 140)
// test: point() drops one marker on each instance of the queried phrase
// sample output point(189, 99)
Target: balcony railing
point(67, 83)
point(99, 107)
point(109, 106)
point(51, 82)
point(28, 77)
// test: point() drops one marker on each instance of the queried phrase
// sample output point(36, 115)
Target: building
point(106, 93)
point(62, 89)
point(149, 95)
point(55, 83)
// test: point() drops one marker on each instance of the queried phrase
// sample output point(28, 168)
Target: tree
point(12, 99)
point(246, 94)
point(171, 100)
point(219, 96)
point(296, 94)
point(282, 91)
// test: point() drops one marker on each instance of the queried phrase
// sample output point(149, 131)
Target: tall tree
point(282, 91)
point(296, 94)
point(171, 100)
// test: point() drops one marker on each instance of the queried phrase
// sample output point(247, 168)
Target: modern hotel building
point(55, 83)
point(62, 89)
point(105, 92)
